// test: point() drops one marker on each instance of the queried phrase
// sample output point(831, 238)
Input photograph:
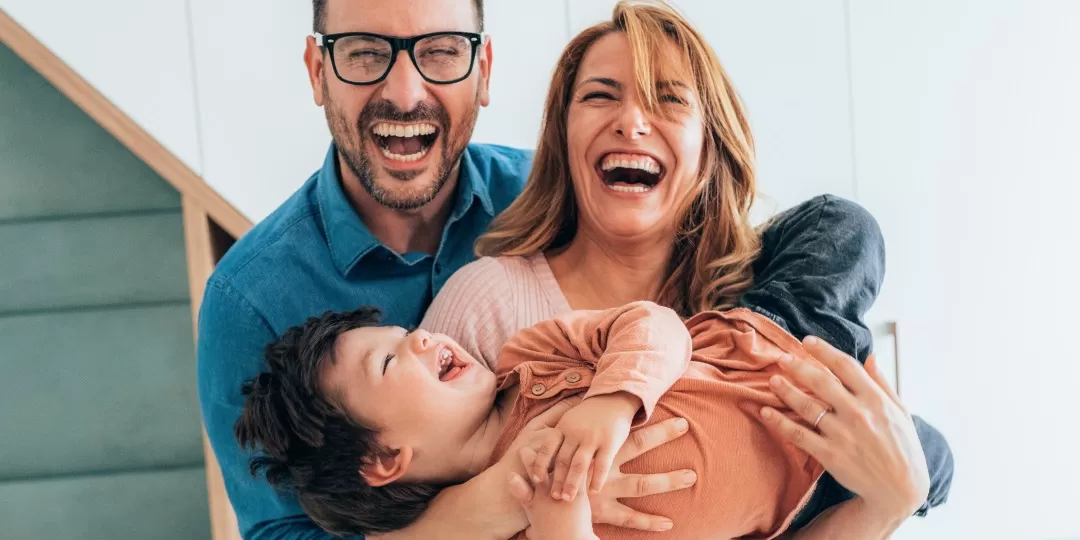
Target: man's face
point(401, 137)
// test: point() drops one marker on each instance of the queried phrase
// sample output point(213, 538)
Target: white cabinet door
point(788, 60)
point(135, 52)
point(527, 37)
point(966, 118)
point(262, 134)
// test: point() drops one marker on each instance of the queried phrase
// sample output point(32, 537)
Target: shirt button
point(573, 377)
point(538, 389)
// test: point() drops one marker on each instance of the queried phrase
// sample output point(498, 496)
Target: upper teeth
point(397, 130)
point(630, 161)
point(444, 358)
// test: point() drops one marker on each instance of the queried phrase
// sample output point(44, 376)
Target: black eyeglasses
point(361, 58)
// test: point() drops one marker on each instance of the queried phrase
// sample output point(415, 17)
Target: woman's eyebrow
point(604, 81)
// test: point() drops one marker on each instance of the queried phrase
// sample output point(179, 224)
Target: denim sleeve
point(232, 336)
point(820, 271)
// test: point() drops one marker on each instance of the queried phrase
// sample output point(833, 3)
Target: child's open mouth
point(450, 366)
point(630, 173)
point(405, 142)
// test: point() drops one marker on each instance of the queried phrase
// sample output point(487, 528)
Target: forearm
point(476, 510)
point(849, 520)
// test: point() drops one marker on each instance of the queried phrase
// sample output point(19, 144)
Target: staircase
point(98, 407)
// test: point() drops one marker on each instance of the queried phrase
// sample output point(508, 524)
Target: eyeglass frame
point(398, 44)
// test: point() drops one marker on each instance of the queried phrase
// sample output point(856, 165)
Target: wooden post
point(203, 252)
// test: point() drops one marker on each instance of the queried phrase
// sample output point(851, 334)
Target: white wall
point(966, 124)
point(262, 134)
point(136, 53)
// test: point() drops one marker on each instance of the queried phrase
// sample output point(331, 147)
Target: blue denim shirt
point(311, 255)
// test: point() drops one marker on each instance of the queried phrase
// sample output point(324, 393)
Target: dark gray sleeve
point(820, 270)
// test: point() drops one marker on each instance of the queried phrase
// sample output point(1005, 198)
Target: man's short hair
point(307, 443)
point(320, 14)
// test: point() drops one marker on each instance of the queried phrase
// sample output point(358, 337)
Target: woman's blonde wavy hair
point(715, 243)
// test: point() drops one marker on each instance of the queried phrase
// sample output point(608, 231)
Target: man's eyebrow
point(604, 81)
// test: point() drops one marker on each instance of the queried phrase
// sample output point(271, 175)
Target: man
point(394, 211)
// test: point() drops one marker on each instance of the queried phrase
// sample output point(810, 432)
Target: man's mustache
point(388, 112)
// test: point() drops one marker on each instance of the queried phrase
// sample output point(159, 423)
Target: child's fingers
point(562, 467)
point(581, 464)
point(549, 445)
point(601, 466)
point(520, 490)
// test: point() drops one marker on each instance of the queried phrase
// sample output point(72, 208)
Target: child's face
point(418, 389)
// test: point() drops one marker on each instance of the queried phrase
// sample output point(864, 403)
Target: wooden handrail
point(121, 126)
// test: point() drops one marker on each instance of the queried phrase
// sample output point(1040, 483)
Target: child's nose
point(421, 340)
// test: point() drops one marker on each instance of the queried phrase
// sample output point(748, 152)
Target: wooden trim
point(121, 126)
point(199, 237)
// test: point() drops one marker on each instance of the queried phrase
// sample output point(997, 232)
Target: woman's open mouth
point(450, 366)
point(405, 142)
point(630, 173)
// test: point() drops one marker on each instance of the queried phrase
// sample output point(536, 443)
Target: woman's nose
point(632, 122)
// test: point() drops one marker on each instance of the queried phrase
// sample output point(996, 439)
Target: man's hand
point(583, 444)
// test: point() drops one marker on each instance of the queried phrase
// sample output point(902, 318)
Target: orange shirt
point(714, 371)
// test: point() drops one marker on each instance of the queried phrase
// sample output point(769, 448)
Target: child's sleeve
point(640, 348)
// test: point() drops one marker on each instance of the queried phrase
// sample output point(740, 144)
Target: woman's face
point(630, 169)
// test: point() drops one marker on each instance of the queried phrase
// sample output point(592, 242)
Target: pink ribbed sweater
point(490, 299)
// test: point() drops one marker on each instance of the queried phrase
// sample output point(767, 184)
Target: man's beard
point(352, 147)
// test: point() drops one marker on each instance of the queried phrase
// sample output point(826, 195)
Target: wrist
point(624, 403)
point(879, 518)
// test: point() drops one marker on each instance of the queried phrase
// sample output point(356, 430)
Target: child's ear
point(387, 467)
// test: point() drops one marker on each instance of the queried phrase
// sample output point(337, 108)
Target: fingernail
point(682, 425)
point(766, 412)
point(566, 497)
point(775, 381)
point(810, 340)
point(690, 477)
point(786, 358)
point(556, 495)
point(665, 526)
point(536, 479)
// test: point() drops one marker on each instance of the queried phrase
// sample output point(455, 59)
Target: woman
point(641, 190)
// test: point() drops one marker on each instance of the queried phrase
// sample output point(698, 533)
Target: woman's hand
point(856, 428)
point(583, 444)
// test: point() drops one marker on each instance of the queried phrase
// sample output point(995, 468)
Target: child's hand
point(584, 441)
point(550, 519)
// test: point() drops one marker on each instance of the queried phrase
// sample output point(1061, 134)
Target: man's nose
point(404, 86)
point(633, 122)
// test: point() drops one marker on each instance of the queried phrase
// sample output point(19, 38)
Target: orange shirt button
point(538, 389)
point(573, 377)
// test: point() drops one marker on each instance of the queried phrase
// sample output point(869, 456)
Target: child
point(366, 423)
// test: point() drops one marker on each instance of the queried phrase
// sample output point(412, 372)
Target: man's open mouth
point(450, 366)
point(630, 173)
point(405, 142)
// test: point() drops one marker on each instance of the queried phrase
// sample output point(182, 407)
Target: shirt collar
point(347, 236)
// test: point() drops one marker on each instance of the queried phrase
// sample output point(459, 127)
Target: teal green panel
point(55, 160)
point(162, 505)
point(88, 262)
point(98, 391)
